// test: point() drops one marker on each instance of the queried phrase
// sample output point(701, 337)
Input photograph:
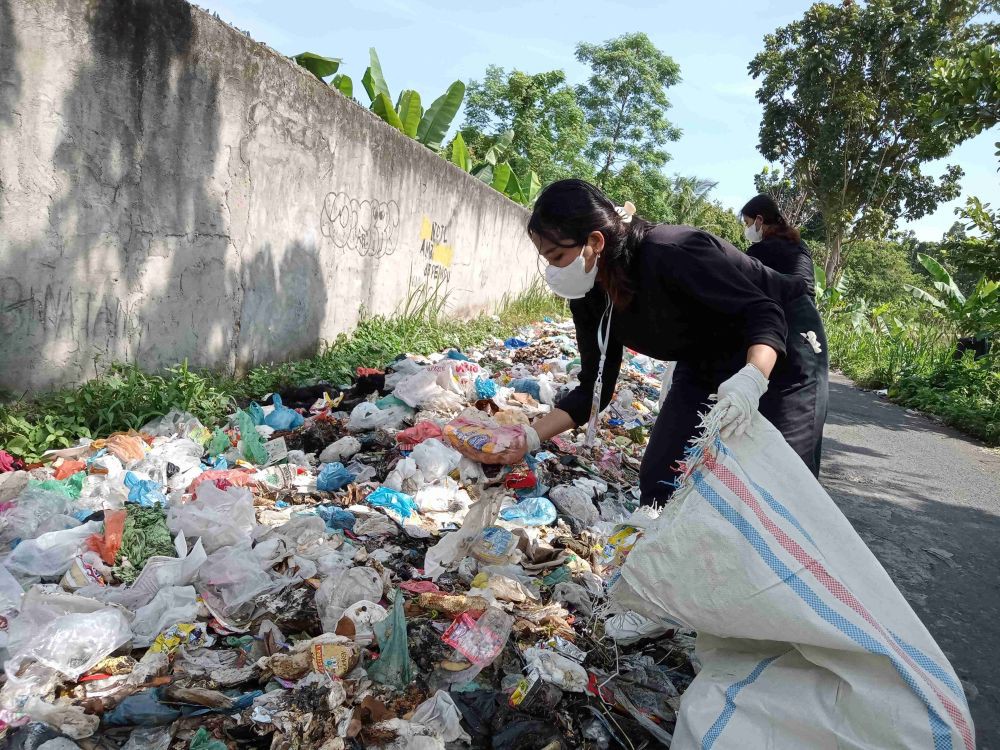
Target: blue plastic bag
point(141, 709)
point(515, 343)
point(527, 385)
point(256, 412)
point(485, 388)
point(533, 511)
point(456, 354)
point(146, 492)
point(400, 502)
point(332, 477)
point(283, 418)
point(336, 519)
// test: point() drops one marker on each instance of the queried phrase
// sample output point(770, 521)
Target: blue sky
point(425, 45)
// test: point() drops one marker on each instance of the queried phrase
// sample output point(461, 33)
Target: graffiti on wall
point(436, 251)
point(60, 312)
point(369, 228)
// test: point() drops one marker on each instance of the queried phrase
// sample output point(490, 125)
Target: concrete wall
point(170, 188)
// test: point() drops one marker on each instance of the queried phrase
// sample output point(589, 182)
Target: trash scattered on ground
point(330, 569)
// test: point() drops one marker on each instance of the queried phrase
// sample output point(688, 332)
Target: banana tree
point(323, 68)
point(977, 315)
point(498, 175)
point(407, 115)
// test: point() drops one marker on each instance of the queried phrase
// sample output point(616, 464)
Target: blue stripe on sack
point(776, 506)
point(931, 666)
point(940, 730)
point(730, 708)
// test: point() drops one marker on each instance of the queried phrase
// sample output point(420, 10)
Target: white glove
point(532, 439)
point(738, 400)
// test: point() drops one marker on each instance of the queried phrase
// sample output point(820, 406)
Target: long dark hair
point(567, 211)
point(775, 224)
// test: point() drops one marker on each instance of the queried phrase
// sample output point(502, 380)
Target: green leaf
point(374, 81)
point(498, 149)
point(920, 294)
point(460, 154)
point(344, 85)
point(501, 176)
point(513, 189)
point(410, 111)
point(531, 186)
point(382, 106)
point(319, 66)
point(435, 123)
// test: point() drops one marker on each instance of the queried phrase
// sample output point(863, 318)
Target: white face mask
point(572, 281)
point(753, 233)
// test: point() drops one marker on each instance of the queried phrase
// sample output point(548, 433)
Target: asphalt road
point(909, 485)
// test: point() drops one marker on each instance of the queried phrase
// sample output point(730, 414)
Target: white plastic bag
point(440, 713)
point(456, 544)
point(804, 640)
point(405, 477)
point(337, 593)
point(232, 577)
point(576, 503)
point(220, 517)
point(435, 459)
point(557, 669)
point(170, 606)
point(415, 389)
point(366, 416)
point(49, 555)
point(340, 451)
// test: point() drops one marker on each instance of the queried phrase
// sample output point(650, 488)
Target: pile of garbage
point(326, 570)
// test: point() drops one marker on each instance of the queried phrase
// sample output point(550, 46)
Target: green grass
point(916, 364)
point(125, 397)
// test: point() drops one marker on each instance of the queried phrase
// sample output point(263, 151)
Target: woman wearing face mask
point(673, 293)
point(773, 242)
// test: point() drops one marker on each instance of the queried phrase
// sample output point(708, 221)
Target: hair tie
point(626, 212)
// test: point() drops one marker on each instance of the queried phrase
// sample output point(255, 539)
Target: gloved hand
point(738, 400)
point(491, 445)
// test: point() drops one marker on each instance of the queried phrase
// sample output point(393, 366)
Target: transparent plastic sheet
point(232, 577)
point(177, 422)
point(73, 643)
point(170, 606)
point(393, 666)
point(440, 713)
point(480, 641)
point(456, 544)
point(30, 510)
point(221, 518)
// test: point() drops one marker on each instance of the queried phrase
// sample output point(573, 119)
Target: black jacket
point(786, 257)
point(697, 299)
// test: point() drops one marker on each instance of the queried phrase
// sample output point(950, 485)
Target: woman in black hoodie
point(736, 328)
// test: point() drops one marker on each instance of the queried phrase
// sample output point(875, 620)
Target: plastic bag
point(177, 422)
point(333, 477)
point(494, 545)
point(256, 412)
point(232, 577)
point(149, 738)
point(144, 491)
point(366, 416)
point(405, 477)
point(66, 469)
point(455, 545)
point(409, 438)
point(251, 443)
point(142, 709)
point(337, 593)
point(485, 388)
point(458, 376)
point(393, 667)
point(170, 606)
point(127, 447)
point(340, 450)
point(483, 441)
point(401, 503)
point(108, 543)
point(440, 713)
point(480, 641)
point(219, 444)
point(362, 617)
point(71, 487)
point(49, 555)
point(283, 418)
point(576, 504)
point(557, 669)
point(220, 517)
point(73, 643)
point(336, 519)
point(415, 389)
point(435, 459)
point(532, 511)
point(202, 740)
point(31, 510)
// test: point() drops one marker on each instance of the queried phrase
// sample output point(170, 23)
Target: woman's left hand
point(739, 399)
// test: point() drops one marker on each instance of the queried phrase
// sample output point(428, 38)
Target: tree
point(794, 201)
point(975, 250)
point(965, 90)
point(550, 132)
point(842, 91)
point(625, 104)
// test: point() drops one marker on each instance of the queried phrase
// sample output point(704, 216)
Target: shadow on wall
point(136, 261)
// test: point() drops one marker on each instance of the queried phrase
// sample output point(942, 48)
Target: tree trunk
point(834, 241)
